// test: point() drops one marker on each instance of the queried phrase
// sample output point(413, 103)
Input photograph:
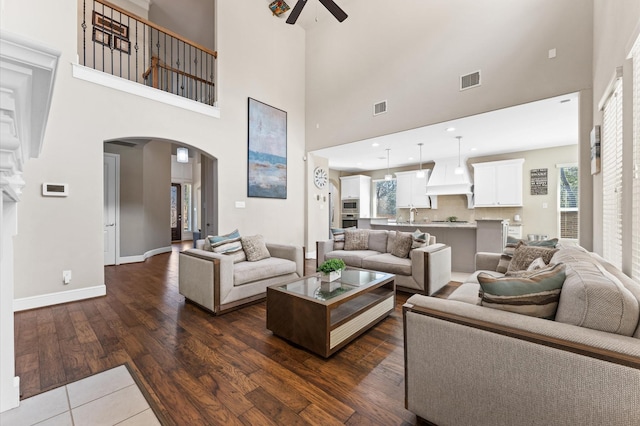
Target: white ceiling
point(542, 124)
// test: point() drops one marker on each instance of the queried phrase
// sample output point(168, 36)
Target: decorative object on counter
point(452, 219)
point(458, 170)
point(388, 175)
point(539, 182)
point(331, 270)
point(420, 173)
point(517, 218)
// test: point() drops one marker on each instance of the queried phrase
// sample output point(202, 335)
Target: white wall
point(413, 53)
point(317, 206)
point(260, 56)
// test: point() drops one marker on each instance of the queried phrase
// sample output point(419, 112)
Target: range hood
point(444, 181)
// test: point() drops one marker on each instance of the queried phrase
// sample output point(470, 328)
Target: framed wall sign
point(539, 181)
point(267, 153)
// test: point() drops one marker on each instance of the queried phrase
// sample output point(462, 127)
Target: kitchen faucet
point(412, 213)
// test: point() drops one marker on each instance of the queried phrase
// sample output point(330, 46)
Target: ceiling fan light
point(388, 177)
point(458, 170)
point(420, 174)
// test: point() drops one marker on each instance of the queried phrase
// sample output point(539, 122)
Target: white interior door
point(110, 208)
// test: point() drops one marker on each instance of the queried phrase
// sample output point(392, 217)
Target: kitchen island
point(462, 237)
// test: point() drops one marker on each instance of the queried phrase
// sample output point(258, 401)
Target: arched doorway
point(139, 211)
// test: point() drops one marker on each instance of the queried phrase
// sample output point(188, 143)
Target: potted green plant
point(331, 269)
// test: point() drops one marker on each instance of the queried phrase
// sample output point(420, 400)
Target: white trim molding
point(102, 78)
point(50, 299)
point(143, 257)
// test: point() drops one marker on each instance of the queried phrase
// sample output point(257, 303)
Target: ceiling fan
point(329, 4)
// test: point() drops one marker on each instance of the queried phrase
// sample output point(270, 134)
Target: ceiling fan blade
point(334, 9)
point(293, 16)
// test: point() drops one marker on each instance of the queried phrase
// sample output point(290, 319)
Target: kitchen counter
point(464, 238)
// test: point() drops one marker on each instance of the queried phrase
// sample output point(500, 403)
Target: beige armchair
point(212, 281)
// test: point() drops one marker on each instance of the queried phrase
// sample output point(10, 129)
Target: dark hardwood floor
point(205, 370)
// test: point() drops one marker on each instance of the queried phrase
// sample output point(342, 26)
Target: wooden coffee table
point(324, 322)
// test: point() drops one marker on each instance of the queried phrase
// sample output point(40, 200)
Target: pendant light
point(182, 155)
point(420, 173)
point(388, 175)
point(459, 170)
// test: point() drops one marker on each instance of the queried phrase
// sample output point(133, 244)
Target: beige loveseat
point(214, 282)
point(467, 364)
point(425, 270)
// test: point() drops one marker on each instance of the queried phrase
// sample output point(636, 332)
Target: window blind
point(635, 228)
point(612, 177)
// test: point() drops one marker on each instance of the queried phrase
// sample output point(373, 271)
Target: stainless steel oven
point(349, 220)
point(350, 206)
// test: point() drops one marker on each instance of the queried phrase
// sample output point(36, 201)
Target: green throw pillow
point(536, 295)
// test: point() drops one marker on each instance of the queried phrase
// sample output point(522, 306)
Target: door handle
point(110, 224)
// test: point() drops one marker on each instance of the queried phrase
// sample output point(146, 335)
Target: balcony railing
point(120, 43)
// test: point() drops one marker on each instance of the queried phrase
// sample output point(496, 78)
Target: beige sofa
point(214, 282)
point(425, 270)
point(468, 364)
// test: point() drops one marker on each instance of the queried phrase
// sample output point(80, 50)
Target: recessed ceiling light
point(358, 164)
point(375, 144)
point(451, 129)
point(474, 149)
point(410, 158)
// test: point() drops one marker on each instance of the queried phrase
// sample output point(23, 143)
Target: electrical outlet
point(66, 277)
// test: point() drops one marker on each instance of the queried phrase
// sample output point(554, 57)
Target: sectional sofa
point(469, 364)
point(421, 265)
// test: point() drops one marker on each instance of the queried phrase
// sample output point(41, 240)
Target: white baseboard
point(142, 257)
point(34, 302)
point(7, 402)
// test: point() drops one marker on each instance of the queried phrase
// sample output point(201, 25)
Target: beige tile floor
point(108, 398)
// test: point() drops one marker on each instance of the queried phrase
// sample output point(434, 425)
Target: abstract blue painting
point(267, 159)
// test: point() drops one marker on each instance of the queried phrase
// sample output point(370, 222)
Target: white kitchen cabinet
point(411, 191)
point(498, 183)
point(357, 187)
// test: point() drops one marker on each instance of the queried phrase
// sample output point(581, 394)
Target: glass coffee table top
point(350, 281)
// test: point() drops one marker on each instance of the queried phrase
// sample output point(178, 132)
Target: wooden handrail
point(155, 62)
point(159, 28)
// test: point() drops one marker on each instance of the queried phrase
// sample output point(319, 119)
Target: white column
point(28, 74)
point(9, 383)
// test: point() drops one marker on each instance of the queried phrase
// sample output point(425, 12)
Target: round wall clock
point(320, 177)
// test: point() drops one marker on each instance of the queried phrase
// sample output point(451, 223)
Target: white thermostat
point(55, 189)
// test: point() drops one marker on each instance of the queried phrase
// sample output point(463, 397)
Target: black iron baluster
point(84, 32)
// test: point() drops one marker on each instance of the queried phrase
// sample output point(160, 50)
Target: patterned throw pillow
point(512, 243)
point(338, 237)
point(536, 295)
point(402, 244)
point(524, 255)
point(255, 248)
point(229, 245)
point(356, 239)
point(420, 239)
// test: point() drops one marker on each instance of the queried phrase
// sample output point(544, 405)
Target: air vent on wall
point(470, 80)
point(380, 107)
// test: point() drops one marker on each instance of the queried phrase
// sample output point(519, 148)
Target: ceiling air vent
point(470, 80)
point(380, 108)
